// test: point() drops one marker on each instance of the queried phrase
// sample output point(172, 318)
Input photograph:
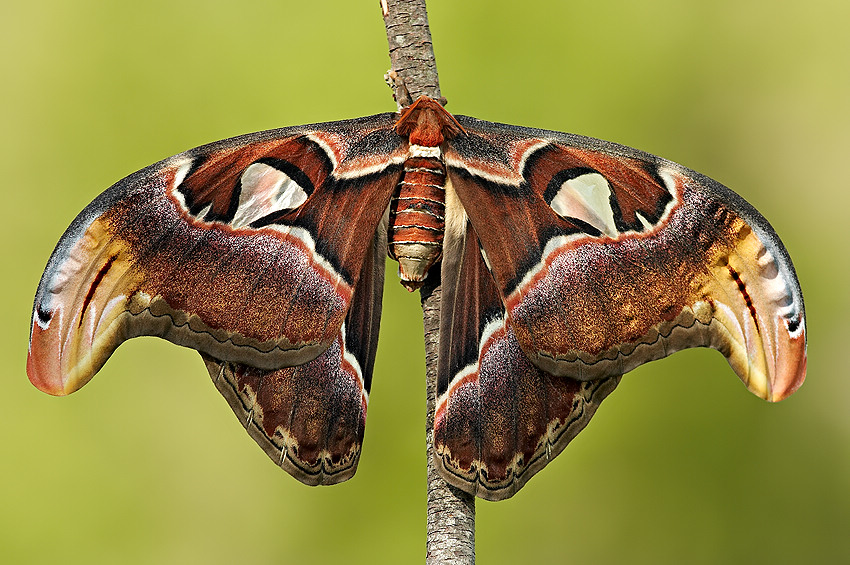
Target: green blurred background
point(681, 465)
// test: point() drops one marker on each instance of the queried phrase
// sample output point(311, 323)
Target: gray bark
point(451, 512)
point(411, 52)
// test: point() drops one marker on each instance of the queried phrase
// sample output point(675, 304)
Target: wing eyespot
point(268, 184)
point(583, 196)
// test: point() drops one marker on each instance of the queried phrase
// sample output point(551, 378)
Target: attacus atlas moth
point(565, 262)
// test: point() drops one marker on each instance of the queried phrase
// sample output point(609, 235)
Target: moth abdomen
point(417, 219)
point(418, 207)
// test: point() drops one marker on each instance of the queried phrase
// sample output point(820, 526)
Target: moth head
point(427, 123)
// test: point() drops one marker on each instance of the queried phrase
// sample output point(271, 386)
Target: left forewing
point(248, 250)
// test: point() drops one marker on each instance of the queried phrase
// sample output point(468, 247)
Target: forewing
point(607, 257)
point(310, 418)
point(499, 418)
point(248, 250)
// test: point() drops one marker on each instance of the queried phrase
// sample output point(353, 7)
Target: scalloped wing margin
point(499, 419)
point(310, 419)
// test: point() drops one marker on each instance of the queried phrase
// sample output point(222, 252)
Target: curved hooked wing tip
point(74, 327)
point(758, 318)
point(762, 327)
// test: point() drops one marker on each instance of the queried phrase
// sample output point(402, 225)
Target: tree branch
point(451, 512)
point(411, 53)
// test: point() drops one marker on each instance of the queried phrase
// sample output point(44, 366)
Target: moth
point(565, 262)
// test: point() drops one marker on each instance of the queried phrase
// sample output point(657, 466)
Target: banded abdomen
point(417, 216)
point(418, 209)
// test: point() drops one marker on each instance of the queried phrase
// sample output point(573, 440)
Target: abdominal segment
point(417, 219)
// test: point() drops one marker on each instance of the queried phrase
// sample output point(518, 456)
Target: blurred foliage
point(680, 465)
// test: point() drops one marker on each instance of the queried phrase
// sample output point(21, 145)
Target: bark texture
point(451, 512)
point(411, 52)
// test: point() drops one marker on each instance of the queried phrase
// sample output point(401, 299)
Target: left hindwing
point(310, 418)
point(606, 257)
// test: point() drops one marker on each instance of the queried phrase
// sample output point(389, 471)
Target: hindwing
point(499, 419)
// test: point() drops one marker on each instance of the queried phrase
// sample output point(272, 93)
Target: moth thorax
point(417, 219)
